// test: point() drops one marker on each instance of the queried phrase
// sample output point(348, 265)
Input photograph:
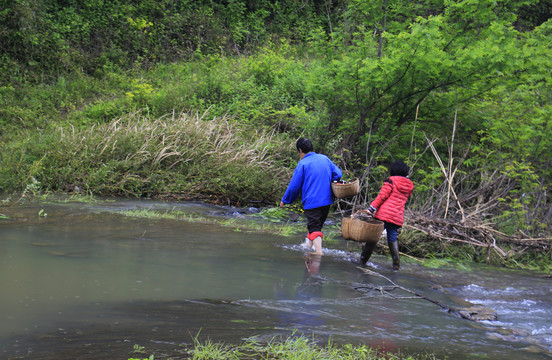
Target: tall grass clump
point(181, 156)
point(295, 347)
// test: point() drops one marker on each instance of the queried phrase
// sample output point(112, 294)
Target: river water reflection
point(88, 282)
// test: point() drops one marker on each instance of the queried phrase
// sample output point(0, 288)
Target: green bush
point(183, 156)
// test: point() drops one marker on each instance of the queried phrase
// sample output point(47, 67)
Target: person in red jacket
point(388, 207)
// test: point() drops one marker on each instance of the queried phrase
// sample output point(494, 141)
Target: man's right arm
point(336, 172)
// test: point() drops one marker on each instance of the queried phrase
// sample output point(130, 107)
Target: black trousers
point(316, 218)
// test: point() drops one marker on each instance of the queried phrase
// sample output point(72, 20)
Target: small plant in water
point(137, 349)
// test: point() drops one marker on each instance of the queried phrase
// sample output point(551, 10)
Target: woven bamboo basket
point(349, 189)
point(361, 230)
point(345, 226)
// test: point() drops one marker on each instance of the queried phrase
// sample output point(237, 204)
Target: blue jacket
point(312, 178)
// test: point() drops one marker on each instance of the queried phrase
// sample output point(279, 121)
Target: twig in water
point(416, 295)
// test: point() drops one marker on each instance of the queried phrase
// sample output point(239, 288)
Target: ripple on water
point(335, 254)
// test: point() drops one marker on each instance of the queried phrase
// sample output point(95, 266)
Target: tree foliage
point(398, 73)
point(39, 39)
point(375, 74)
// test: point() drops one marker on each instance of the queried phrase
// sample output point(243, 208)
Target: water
point(87, 282)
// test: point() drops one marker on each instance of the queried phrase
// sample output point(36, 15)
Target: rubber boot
point(394, 248)
point(367, 252)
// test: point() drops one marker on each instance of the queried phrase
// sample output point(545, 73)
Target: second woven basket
point(361, 230)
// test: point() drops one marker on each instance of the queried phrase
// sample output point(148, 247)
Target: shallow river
point(88, 282)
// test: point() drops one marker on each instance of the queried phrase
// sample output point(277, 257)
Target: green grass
point(293, 348)
point(193, 130)
point(269, 220)
point(178, 156)
point(249, 225)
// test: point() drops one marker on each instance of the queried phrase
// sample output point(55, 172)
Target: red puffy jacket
point(392, 198)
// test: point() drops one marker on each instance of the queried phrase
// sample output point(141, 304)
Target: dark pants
point(316, 218)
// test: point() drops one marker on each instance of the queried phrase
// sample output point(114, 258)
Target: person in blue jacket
point(312, 180)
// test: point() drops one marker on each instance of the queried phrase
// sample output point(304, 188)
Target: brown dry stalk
point(449, 176)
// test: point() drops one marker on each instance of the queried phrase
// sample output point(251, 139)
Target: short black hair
point(304, 144)
point(398, 168)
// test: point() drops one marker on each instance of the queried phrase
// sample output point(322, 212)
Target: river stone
point(478, 313)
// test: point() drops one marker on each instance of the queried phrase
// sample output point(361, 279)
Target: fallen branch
point(473, 313)
point(412, 257)
point(474, 231)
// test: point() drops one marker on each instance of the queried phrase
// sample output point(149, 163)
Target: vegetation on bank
point(204, 100)
point(179, 156)
point(263, 222)
point(294, 347)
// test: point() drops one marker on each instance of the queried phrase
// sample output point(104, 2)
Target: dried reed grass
point(171, 140)
point(180, 153)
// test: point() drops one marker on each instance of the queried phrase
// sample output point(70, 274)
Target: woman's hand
point(366, 212)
